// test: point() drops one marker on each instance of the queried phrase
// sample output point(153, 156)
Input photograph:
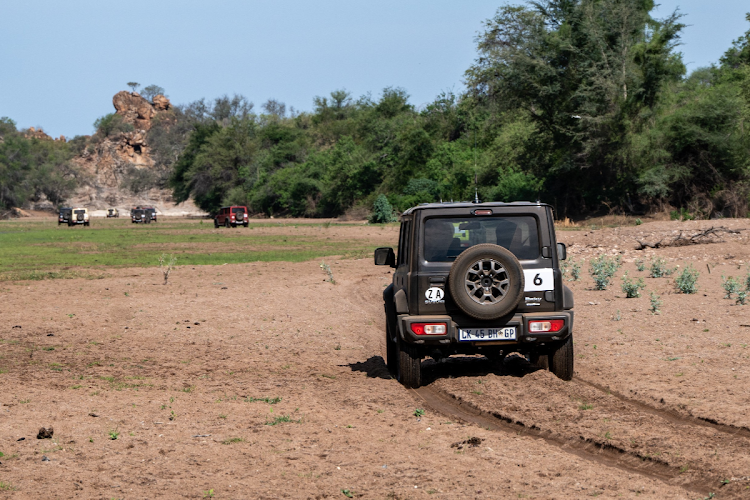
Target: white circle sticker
point(434, 294)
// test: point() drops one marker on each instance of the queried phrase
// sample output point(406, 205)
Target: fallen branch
point(701, 237)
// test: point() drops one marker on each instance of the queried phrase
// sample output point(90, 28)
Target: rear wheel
point(216, 223)
point(391, 351)
point(409, 365)
point(561, 359)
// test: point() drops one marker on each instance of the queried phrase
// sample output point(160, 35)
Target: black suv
point(477, 278)
point(65, 215)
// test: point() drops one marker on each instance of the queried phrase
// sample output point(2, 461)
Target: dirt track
point(658, 408)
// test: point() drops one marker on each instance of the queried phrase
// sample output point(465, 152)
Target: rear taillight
point(550, 325)
point(429, 328)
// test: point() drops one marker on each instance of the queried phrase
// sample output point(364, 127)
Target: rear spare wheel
point(486, 281)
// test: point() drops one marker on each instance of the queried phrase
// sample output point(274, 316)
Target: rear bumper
point(519, 320)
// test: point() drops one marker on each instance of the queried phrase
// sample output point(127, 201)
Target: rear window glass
point(445, 238)
point(77, 212)
point(238, 210)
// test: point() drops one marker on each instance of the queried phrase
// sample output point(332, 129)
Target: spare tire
point(486, 281)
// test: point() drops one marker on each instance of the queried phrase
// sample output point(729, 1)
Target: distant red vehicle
point(231, 217)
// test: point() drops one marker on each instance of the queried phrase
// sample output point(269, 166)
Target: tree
point(151, 91)
point(133, 86)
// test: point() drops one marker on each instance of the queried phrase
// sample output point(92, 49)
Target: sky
point(62, 62)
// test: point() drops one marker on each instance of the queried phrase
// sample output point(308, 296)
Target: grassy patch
point(232, 440)
point(42, 250)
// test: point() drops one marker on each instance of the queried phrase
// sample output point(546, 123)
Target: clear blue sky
point(63, 61)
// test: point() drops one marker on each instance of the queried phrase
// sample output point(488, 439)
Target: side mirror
point(385, 256)
point(562, 251)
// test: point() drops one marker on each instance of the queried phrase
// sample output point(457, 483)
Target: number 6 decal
point(537, 280)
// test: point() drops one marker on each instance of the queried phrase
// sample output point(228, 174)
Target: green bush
point(602, 269)
point(687, 281)
point(640, 265)
point(382, 211)
point(571, 270)
point(681, 214)
point(632, 288)
point(111, 125)
point(655, 303)
point(659, 268)
point(731, 285)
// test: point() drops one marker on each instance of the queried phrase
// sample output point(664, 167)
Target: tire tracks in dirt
point(671, 415)
point(592, 450)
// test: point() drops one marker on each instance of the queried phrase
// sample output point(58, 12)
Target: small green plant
point(731, 286)
point(6, 486)
point(638, 222)
point(166, 264)
point(687, 281)
point(659, 268)
point(585, 406)
point(741, 297)
point(602, 269)
point(348, 493)
point(114, 434)
point(208, 493)
point(419, 412)
point(655, 304)
point(571, 270)
point(632, 289)
point(617, 316)
point(325, 267)
point(232, 440)
point(681, 214)
point(747, 281)
point(270, 401)
point(640, 265)
point(282, 419)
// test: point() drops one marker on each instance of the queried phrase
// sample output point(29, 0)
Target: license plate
point(479, 334)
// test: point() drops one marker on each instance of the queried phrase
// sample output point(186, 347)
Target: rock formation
point(107, 161)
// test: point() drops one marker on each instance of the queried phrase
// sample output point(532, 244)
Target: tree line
point(584, 104)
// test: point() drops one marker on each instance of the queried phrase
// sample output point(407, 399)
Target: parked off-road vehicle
point(151, 211)
point(79, 215)
point(64, 217)
point(139, 215)
point(231, 217)
point(112, 212)
point(477, 278)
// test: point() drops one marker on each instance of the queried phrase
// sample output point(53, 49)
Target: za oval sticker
point(434, 294)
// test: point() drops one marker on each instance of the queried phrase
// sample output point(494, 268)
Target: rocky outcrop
point(108, 161)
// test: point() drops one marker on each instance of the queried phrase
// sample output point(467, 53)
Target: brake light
point(483, 212)
point(550, 325)
point(429, 328)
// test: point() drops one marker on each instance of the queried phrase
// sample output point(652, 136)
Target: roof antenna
point(476, 192)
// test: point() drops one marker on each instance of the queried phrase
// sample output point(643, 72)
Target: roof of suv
point(468, 204)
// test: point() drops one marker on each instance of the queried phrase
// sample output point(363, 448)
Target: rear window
point(77, 212)
point(238, 210)
point(445, 238)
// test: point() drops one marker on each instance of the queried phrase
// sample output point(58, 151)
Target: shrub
point(659, 268)
point(655, 304)
point(640, 265)
point(638, 222)
point(742, 297)
point(731, 285)
point(681, 214)
point(382, 211)
point(632, 288)
point(687, 281)
point(602, 269)
point(571, 270)
point(110, 125)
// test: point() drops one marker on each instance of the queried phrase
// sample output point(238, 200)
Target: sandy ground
point(265, 380)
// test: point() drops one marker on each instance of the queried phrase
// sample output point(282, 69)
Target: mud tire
point(227, 224)
point(494, 307)
point(561, 359)
point(216, 223)
point(409, 365)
